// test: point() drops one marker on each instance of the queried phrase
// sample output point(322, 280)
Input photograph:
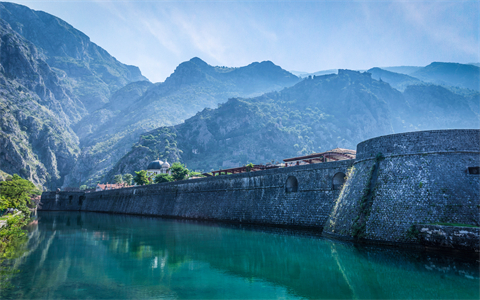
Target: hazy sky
point(301, 36)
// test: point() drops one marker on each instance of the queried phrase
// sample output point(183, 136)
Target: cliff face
point(36, 113)
point(51, 77)
point(91, 73)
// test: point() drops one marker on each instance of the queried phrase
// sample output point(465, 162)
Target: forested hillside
point(315, 115)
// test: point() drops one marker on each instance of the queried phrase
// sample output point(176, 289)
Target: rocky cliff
point(86, 68)
point(51, 76)
point(36, 139)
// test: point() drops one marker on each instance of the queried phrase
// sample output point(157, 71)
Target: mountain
point(51, 77)
point(453, 74)
point(101, 105)
point(91, 73)
point(36, 111)
point(194, 85)
point(396, 80)
point(315, 115)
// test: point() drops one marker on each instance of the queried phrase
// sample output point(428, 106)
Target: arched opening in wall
point(80, 200)
point(338, 181)
point(70, 198)
point(291, 186)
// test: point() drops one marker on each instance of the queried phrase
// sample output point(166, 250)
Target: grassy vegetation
point(455, 224)
point(14, 193)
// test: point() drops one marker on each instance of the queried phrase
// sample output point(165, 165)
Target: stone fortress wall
point(404, 179)
point(294, 196)
point(396, 182)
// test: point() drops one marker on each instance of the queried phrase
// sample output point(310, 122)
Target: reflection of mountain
point(105, 256)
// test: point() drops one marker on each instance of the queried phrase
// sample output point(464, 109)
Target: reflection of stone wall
point(420, 177)
point(255, 197)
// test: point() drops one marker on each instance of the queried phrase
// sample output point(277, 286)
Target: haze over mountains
point(70, 112)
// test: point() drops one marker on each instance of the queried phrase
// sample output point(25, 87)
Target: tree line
point(178, 172)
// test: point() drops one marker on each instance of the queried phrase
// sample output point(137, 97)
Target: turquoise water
point(75, 255)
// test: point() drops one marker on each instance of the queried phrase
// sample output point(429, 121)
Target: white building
point(158, 167)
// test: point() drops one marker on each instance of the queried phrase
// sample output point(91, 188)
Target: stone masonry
point(422, 177)
point(257, 197)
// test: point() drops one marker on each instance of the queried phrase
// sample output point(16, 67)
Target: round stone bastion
point(401, 180)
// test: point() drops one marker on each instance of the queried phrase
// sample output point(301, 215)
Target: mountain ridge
point(193, 86)
point(70, 52)
point(316, 114)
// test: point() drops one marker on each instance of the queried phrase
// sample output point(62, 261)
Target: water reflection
point(89, 255)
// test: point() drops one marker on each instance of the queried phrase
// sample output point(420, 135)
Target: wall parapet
point(419, 142)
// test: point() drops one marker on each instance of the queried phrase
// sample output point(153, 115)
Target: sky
point(305, 36)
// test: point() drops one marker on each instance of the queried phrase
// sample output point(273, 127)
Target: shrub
point(163, 178)
point(179, 172)
point(128, 179)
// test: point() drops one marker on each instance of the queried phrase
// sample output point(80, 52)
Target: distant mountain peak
point(264, 64)
point(449, 73)
point(199, 62)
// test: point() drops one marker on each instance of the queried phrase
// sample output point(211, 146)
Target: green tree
point(83, 187)
point(162, 177)
point(179, 172)
point(196, 174)
point(118, 179)
point(16, 193)
point(141, 177)
point(128, 179)
point(249, 167)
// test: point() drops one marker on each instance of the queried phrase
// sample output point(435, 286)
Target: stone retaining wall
point(256, 197)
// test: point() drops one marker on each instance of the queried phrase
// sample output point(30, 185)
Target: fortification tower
point(409, 178)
